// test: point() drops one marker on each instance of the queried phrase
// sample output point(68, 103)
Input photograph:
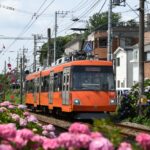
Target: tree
point(100, 20)
point(61, 41)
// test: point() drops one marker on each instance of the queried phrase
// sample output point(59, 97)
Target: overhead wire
point(30, 23)
point(82, 15)
point(42, 12)
point(132, 9)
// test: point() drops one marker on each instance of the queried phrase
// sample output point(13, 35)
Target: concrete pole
point(141, 51)
point(109, 36)
point(55, 36)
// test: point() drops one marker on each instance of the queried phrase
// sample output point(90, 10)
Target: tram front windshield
point(99, 78)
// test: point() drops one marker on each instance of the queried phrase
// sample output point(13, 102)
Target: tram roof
point(60, 67)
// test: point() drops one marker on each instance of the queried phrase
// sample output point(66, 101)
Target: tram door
point(51, 87)
point(37, 91)
point(66, 86)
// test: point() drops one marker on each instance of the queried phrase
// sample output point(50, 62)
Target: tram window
point(30, 86)
point(26, 86)
point(37, 84)
point(58, 81)
point(45, 84)
point(67, 78)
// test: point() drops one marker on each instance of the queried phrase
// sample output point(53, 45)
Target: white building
point(72, 46)
point(135, 62)
point(123, 67)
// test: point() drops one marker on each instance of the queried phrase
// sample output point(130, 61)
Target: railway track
point(131, 129)
point(127, 129)
point(60, 125)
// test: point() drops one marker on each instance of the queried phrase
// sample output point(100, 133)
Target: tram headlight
point(76, 102)
point(112, 101)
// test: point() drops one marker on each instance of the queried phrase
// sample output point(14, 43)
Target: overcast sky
point(24, 18)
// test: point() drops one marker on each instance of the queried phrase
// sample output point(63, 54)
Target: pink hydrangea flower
point(23, 107)
point(26, 113)
point(25, 134)
point(101, 144)
point(95, 135)
point(22, 122)
point(38, 141)
point(45, 132)
point(2, 109)
point(79, 128)
point(37, 138)
point(144, 140)
point(50, 144)
point(6, 147)
point(82, 140)
point(51, 134)
point(32, 118)
point(49, 127)
point(5, 104)
point(15, 117)
point(7, 130)
point(66, 140)
point(19, 141)
point(125, 146)
point(11, 106)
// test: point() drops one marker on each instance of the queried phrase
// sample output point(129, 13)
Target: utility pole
point(55, 36)
point(57, 13)
point(141, 51)
point(49, 49)
point(34, 53)
point(21, 81)
point(17, 70)
point(23, 61)
point(5, 68)
point(109, 39)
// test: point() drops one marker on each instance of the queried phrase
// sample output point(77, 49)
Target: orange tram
point(82, 88)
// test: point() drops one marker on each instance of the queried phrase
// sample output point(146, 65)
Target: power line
point(27, 27)
point(82, 15)
point(102, 6)
point(132, 8)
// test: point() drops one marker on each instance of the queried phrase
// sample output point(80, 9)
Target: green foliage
point(61, 41)
point(35, 127)
point(101, 20)
point(5, 117)
point(109, 130)
point(129, 107)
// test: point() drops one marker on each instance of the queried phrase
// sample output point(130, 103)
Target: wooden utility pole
point(21, 81)
point(35, 51)
point(49, 49)
point(141, 51)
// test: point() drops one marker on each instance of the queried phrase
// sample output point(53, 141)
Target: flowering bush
point(20, 130)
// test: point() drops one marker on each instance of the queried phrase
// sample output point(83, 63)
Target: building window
point(102, 42)
point(95, 43)
point(122, 84)
point(118, 61)
point(118, 83)
point(147, 56)
point(135, 55)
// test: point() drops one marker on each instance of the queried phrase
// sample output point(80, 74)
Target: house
point(123, 36)
point(135, 62)
point(123, 67)
point(74, 45)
